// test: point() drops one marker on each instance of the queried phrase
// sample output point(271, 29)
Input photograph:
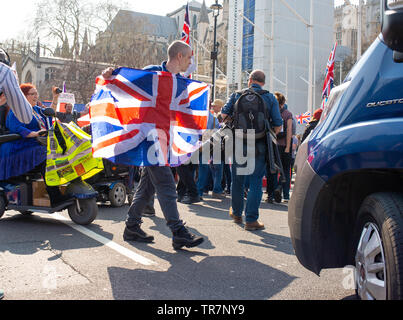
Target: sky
point(19, 13)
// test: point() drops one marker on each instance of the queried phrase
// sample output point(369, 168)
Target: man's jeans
point(216, 171)
point(186, 183)
point(160, 180)
point(255, 190)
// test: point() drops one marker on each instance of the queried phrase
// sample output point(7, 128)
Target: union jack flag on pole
point(186, 26)
point(186, 38)
point(146, 118)
point(304, 118)
point(329, 78)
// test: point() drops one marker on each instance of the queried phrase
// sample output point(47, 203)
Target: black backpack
point(250, 112)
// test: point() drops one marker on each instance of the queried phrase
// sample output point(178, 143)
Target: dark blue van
point(347, 204)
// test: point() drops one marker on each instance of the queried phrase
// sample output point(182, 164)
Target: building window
point(28, 77)
point(354, 39)
point(50, 74)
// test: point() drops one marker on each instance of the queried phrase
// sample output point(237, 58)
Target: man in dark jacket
point(160, 179)
point(256, 82)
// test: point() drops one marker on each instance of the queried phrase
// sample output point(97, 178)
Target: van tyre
point(379, 247)
point(86, 214)
point(117, 195)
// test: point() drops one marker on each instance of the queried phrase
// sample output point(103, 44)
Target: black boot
point(134, 233)
point(183, 238)
point(277, 194)
point(56, 197)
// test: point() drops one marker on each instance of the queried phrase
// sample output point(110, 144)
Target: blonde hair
point(176, 47)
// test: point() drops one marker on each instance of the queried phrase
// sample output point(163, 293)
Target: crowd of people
point(194, 181)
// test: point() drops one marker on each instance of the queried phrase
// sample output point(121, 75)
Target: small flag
point(304, 118)
point(84, 120)
point(186, 38)
point(329, 78)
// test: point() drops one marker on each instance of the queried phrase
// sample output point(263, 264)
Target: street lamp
point(216, 7)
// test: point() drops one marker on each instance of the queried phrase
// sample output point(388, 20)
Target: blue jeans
point(216, 171)
point(255, 190)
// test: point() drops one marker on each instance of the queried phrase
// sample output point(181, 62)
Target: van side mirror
point(392, 24)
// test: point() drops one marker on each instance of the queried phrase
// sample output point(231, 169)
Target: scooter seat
point(9, 137)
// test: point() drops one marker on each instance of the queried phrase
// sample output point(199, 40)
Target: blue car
point(347, 204)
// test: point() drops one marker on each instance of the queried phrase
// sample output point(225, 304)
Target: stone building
point(44, 72)
point(346, 24)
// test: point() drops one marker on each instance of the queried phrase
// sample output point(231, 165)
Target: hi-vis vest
point(67, 162)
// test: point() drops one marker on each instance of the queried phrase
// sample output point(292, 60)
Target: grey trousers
point(159, 180)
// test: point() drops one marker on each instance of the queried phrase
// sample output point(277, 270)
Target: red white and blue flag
point(304, 118)
point(329, 78)
point(186, 38)
point(186, 26)
point(146, 118)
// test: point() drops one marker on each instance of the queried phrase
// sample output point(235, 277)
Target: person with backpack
point(252, 108)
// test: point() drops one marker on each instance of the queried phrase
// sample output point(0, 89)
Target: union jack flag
point(304, 118)
point(186, 26)
point(186, 38)
point(329, 78)
point(146, 118)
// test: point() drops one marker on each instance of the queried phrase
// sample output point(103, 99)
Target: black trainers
point(134, 233)
point(189, 200)
point(183, 238)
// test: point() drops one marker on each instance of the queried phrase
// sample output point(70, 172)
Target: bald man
point(256, 81)
point(160, 179)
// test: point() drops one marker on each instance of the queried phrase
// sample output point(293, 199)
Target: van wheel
point(379, 253)
point(2, 206)
point(85, 212)
point(117, 195)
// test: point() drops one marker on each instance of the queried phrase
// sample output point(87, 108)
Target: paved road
point(48, 257)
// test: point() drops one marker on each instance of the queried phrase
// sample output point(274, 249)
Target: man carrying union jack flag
point(328, 85)
point(139, 106)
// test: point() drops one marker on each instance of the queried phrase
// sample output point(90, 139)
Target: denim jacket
point(271, 103)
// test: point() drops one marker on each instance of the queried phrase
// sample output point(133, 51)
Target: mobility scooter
point(27, 193)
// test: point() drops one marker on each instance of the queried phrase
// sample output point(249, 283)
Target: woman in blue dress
point(21, 156)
